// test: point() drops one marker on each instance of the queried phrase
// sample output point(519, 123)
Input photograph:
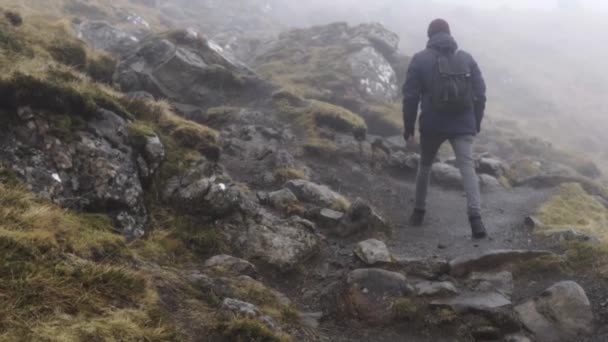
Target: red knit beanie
point(437, 26)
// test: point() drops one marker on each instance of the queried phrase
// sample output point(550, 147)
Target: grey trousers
point(463, 149)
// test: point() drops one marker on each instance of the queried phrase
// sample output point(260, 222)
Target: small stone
point(329, 217)
point(474, 301)
point(25, 113)
point(373, 252)
point(429, 289)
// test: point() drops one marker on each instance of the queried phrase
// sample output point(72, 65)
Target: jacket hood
point(442, 42)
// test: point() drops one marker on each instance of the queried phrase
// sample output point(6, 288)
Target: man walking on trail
point(449, 87)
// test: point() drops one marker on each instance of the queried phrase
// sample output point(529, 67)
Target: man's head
point(438, 26)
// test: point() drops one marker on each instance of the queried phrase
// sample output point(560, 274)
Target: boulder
point(369, 294)
point(361, 217)
point(185, 68)
point(489, 182)
point(232, 265)
point(377, 78)
point(493, 259)
point(492, 167)
point(561, 313)
point(101, 35)
point(446, 175)
point(309, 192)
point(373, 252)
point(282, 199)
point(404, 161)
point(383, 40)
point(205, 190)
point(283, 244)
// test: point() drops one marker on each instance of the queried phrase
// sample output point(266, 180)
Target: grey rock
point(186, 69)
point(232, 306)
point(474, 301)
point(396, 143)
point(309, 192)
point(404, 161)
point(385, 41)
point(501, 282)
point(492, 167)
point(282, 199)
point(373, 252)
point(101, 35)
point(376, 76)
point(489, 182)
point(446, 175)
point(369, 294)
point(431, 289)
point(95, 170)
point(232, 265)
point(240, 307)
point(493, 259)
point(330, 218)
point(561, 313)
point(281, 243)
point(204, 189)
point(361, 217)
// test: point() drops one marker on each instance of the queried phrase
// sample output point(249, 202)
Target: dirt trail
point(446, 232)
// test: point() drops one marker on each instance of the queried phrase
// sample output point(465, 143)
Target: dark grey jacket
point(415, 93)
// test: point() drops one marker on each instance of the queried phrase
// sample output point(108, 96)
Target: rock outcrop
point(186, 68)
point(92, 167)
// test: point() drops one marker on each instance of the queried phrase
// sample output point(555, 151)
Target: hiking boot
point(477, 227)
point(417, 218)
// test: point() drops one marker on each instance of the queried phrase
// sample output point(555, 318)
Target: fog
point(545, 61)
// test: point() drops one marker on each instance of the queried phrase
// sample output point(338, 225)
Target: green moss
point(404, 309)
point(247, 330)
point(285, 174)
point(574, 208)
point(201, 240)
point(140, 129)
point(442, 316)
point(69, 52)
point(254, 292)
point(547, 265)
point(101, 68)
point(61, 98)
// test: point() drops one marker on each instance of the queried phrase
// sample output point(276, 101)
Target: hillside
point(158, 185)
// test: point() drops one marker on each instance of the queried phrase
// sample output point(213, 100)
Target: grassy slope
point(67, 276)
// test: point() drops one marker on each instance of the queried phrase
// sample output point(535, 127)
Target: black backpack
point(452, 87)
